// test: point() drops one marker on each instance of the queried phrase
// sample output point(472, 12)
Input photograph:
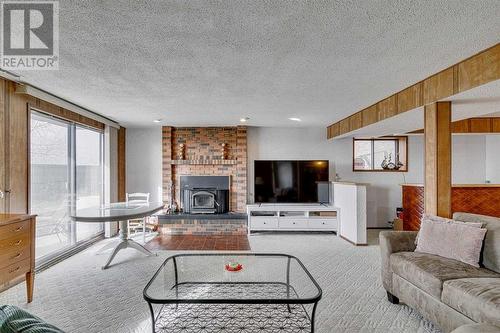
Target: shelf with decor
point(204, 162)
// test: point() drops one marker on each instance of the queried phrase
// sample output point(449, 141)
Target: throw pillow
point(445, 220)
point(454, 240)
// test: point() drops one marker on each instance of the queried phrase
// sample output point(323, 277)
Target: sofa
point(17, 320)
point(457, 297)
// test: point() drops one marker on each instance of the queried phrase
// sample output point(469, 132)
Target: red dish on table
point(233, 268)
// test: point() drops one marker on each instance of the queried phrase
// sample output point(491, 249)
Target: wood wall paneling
point(410, 98)
point(17, 178)
point(461, 126)
point(495, 125)
point(64, 113)
point(121, 164)
point(484, 200)
point(437, 132)
point(476, 200)
point(479, 69)
point(344, 126)
point(355, 121)
point(480, 125)
point(336, 129)
point(413, 207)
point(3, 157)
point(438, 86)
point(369, 115)
point(387, 108)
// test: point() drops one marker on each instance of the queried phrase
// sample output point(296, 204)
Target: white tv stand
point(292, 217)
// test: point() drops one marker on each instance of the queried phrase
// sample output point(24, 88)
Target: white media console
point(346, 216)
point(292, 217)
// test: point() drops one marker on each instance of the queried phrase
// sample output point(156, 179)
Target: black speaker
point(324, 192)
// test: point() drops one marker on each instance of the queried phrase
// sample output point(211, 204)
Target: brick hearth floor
point(190, 242)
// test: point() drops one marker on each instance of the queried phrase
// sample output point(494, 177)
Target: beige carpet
point(78, 296)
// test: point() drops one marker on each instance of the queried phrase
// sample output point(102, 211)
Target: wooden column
point(121, 164)
point(437, 131)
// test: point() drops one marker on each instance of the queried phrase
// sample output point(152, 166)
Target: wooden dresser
point(17, 251)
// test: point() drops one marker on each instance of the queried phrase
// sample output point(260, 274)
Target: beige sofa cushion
point(477, 328)
point(428, 271)
point(478, 298)
point(449, 239)
point(491, 249)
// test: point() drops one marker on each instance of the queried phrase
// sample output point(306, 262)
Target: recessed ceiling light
point(244, 120)
point(295, 119)
point(157, 120)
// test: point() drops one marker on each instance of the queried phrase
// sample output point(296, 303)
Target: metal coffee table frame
point(290, 302)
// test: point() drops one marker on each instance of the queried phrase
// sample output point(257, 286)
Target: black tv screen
point(288, 181)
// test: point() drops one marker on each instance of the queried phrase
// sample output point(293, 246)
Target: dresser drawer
point(13, 271)
point(264, 223)
point(14, 254)
point(14, 242)
point(14, 229)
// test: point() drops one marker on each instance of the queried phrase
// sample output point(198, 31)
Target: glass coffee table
point(222, 292)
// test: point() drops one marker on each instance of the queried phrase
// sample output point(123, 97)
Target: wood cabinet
point(17, 251)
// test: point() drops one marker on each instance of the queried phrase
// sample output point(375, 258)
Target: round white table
point(121, 212)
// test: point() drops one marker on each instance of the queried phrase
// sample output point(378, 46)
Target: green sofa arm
point(394, 242)
point(16, 320)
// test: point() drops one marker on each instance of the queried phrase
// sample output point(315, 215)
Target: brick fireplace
point(204, 156)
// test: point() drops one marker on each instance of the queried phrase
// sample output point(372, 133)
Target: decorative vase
point(225, 154)
point(181, 154)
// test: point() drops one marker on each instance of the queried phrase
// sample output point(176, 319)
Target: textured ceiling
point(212, 62)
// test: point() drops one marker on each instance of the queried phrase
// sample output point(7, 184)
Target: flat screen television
point(290, 181)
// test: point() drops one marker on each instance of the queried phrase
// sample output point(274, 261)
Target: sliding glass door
point(89, 177)
point(50, 196)
point(66, 174)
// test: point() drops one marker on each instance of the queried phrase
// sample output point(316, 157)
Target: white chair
point(138, 198)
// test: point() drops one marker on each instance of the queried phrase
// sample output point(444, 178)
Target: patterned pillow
point(16, 320)
point(451, 239)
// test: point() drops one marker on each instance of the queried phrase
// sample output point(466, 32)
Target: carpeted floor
point(78, 296)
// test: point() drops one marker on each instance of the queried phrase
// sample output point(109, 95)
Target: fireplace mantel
point(204, 162)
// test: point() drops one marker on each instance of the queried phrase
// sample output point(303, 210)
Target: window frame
point(401, 148)
point(66, 251)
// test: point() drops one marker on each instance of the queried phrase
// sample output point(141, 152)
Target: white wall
point(468, 159)
point(493, 158)
point(144, 161)
point(270, 143)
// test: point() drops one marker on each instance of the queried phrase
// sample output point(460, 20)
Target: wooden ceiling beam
point(472, 126)
point(472, 72)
